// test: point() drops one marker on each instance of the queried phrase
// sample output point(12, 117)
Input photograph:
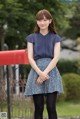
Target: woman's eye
point(45, 19)
point(39, 20)
point(42, 20)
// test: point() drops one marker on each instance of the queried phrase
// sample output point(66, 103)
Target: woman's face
point(43, 23)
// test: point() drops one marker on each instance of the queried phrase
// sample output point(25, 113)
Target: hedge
point(69, 66)
point(71, 83)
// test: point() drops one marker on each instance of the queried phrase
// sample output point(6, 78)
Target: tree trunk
point(2, 40)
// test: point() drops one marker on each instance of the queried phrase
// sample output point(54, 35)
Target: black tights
point(50, 103)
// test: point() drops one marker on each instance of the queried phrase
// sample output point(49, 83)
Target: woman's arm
point(54, 61)
point(30, 57)
point(42, 74)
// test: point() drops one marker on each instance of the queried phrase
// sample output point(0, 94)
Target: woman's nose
point(42, 22)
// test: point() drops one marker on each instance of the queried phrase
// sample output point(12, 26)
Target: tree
point(30, 9)
point(10, 12)
point(57, 9)
point(74, 30)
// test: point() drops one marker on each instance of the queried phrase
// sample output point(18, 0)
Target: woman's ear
point(50, 21)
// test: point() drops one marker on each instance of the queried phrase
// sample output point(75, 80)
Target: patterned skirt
point(54, 83)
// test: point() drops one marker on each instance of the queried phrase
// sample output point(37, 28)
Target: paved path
point(73, 117)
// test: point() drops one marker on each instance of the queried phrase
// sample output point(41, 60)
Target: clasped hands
point(42, 77)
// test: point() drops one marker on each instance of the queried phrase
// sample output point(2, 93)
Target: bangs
point(43, 14)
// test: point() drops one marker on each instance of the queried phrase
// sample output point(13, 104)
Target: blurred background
point(17, 20)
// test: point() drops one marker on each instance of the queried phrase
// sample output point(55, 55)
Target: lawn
point(24, 109)
point(67, 108)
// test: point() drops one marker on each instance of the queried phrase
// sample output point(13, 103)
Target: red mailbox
point(13, 57)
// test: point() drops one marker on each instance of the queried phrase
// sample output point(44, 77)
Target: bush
point(69, 66)
point(71, 83)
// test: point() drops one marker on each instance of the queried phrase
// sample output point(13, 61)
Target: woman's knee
point(39, 108)
point(51, 108)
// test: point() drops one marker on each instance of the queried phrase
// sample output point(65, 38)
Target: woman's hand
point(42, 78)
point(39, 81)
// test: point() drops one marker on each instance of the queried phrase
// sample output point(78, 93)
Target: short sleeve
point(58, 38)
point(30, 38)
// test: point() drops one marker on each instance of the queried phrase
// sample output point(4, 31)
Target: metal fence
point(20, 106)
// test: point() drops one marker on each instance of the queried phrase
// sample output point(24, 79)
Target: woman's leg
point(51, 105)
point(39, 106)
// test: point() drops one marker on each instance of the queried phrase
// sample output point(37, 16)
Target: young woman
point(44, 78)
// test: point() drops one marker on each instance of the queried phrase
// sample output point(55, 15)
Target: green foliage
point(74, 27)
point(68, 66)
point(11, 14)
point(20, 18)
point(71, 86)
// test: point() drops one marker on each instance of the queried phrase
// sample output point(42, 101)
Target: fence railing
point(20, 106)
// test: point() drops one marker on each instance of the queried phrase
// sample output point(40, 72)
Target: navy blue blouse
point(43, 45)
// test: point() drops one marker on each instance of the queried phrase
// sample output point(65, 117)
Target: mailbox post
point(12, 57)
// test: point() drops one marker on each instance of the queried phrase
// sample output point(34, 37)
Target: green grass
point(66, 109)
